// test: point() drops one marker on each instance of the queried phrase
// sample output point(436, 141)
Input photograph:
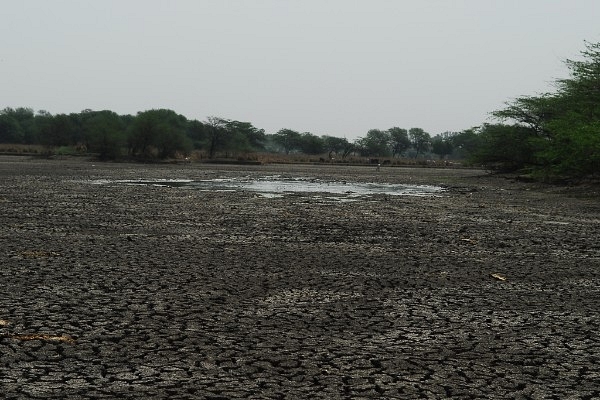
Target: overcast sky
point(330, 67)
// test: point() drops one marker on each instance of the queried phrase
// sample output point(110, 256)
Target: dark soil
point(115, 291)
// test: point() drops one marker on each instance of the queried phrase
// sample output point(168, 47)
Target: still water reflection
point(276, 186)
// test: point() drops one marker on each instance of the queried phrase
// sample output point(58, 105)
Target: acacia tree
point(442, 145)
point(505, 147)
point(564, 127)
point(375, 144)
point(466, 142)
point(420, 140)
point(217, 134)
point(288, 139)
point(399, 140)
point(244, 136)
point(337, 146)
point(311, 144)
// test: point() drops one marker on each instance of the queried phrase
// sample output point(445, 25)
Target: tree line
point(552, 135)
point(163, 133)
point(159, 133)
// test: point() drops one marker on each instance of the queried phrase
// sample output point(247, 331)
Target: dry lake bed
point(293, 282)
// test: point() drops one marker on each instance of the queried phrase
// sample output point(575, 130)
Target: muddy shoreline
point(114, 291)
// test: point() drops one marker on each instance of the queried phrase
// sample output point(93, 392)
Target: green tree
point(399, 140)
point(25, 119)
point(563, 126)
point(442, 145)
point(56, 130)
point(128, 121)
point(10, 130)
point(580, 93)
point(288, 140)
point(338, 146)
point(104, 133)
point(197, 133)
point(466, 142)
point(574, 150)
point(311, 144)
point(505, 147)
point(420, 140)
point(218, 135)
point(159, 133)
point(533, 112)
point(375, 144)
point(143, 133)
point(245, 137)
point(77, 120)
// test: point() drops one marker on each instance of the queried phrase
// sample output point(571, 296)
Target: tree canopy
point(561, 130)
point(163, 133)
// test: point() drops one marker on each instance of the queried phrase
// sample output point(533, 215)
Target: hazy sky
point(335, 67)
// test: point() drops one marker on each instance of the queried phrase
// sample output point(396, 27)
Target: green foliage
point(465, 143)
point(505, 147)
point(338, 146)
point(311, 144)
point(66, 151)
point(288, 140)
point(55, 131)
point(533, 112)
point(574, 150)
point(158, 133)
point(375, 144)
point(104, 133)
point(245, 136)
point(17, 126)
point(399, 140)
point(218, 136)
point(10, 129)
point(420, 140)
point(162, 133)
point(581, 92)
point(562, 127)
point(442, 145)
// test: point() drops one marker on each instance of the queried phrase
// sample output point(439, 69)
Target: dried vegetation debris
point(45, 337)
point(42, 337)
point(39, 254)
point(498, 277)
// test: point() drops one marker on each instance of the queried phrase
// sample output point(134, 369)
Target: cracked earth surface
point(122, 291)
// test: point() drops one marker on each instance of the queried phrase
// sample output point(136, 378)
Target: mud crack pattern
point(154, 292)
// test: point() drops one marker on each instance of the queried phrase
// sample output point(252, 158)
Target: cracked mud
point(489, 290)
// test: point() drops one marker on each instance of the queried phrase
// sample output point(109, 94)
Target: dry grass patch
point(22, 149)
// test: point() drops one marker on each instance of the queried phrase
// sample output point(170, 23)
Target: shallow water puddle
point(272, 187)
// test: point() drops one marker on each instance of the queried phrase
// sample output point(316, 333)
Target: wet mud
point(489, 289)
